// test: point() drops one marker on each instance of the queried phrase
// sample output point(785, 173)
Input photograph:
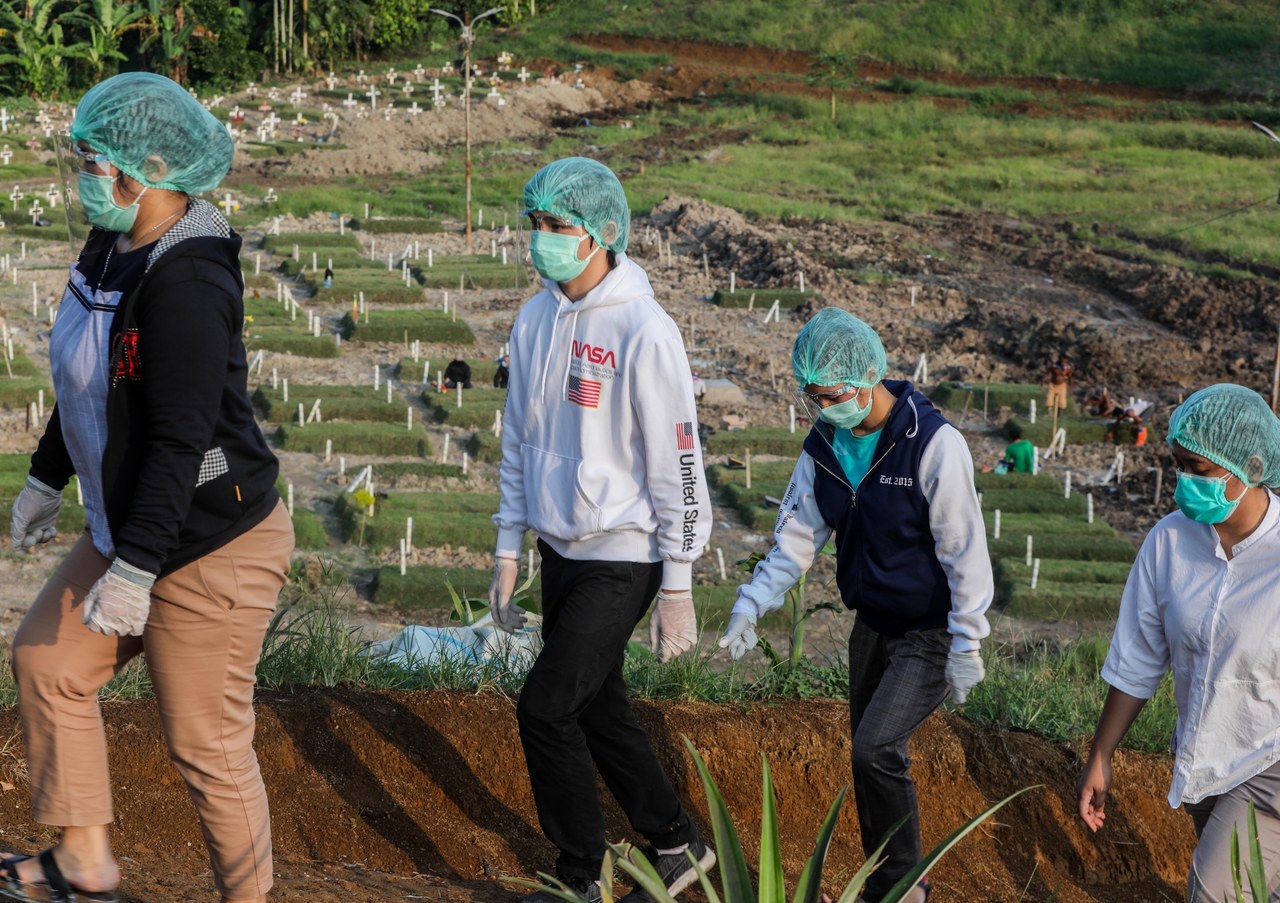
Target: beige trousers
point(1209, 880)
point(1056, 397)
point(202, 641)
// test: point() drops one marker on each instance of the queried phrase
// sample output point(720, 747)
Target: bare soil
point(394, 796)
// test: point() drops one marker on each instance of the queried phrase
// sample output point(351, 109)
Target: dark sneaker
point(587, 891)
point(675, 870)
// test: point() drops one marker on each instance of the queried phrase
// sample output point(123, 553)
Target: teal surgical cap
point(835, 348)
point(150, 128)
point(582, 192)
point(1234, 428)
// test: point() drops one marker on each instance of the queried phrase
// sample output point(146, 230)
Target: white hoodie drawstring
point(551, 349)
point(573, 335)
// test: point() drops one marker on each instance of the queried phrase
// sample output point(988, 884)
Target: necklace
point(112, 247)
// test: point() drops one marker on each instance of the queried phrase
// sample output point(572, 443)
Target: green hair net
point(836, 348)
point(1234, 428)
point(585, 193)
point(150, 128)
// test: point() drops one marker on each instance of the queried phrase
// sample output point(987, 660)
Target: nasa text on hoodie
point(600, 450)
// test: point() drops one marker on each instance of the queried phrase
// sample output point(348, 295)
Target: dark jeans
point(574, 713)
point(894, 685)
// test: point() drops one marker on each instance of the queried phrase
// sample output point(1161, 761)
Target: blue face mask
point(555, 256)
point(1204, 499)
point(846, 414)
point(97, 195)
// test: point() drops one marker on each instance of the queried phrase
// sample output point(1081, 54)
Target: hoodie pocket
point(553, 493)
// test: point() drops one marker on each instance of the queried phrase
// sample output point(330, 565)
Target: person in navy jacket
point(883, 472)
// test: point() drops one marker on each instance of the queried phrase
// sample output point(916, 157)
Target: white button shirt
point(1216, 623)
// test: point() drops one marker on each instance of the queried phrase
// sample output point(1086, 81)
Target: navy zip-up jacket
point(885, 563)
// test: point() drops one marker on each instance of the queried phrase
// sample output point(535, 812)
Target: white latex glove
point(507, 616)
point(35, 515)
point(740, 636)
point(118, 604)
point(964, 672)
point(672, 626)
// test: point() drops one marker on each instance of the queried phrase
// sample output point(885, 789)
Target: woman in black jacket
point(187, 543)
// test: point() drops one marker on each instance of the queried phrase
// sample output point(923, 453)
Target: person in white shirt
point(885, 473)
point(1203, 601)
point(601, 459)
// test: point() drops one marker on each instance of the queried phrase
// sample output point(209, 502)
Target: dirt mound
point(405, 143)
point(375, 795)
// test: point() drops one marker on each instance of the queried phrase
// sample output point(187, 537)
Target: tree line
point(51, 49)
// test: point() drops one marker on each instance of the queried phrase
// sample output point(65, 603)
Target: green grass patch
point(290, 341)
point(1045, 482)
point(1073, 547)
point(719, 475)
point(393, 470)
point(284, 242)
point(470, 271)
point(24, 386)
point(1057, 693)
point(459, 520)
point(424, 587)
point(1018, 396)
point(1080, 430)
point(763, 298)
point(353, 439)
point(308, 527)
point(410, 371)
point(391, 292)
point(485, 446)
point(750, 504)
point(1033, 501)
point(407, 326)
point(1062, 601)
point(340, 403)
point(477, 409)
point(407, 224)
point(761, 441)
point(1038, 525)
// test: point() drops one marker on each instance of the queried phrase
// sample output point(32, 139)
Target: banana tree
point(169, 33)
point(36, 49)
point(106, 22)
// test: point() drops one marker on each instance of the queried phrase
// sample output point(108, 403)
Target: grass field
point(342, 403)
point(477, 409)
point(407, 326)
point(353, 439)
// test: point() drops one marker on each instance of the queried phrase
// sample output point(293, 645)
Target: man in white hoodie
point(601, 459)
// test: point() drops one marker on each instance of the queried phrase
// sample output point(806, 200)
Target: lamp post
point(467, 25)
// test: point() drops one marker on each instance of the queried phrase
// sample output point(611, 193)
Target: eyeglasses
point(92, 157)
point(545, 221)
point(813, 402)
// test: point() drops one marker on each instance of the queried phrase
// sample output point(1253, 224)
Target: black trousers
point(895, 683)
point(575, 717)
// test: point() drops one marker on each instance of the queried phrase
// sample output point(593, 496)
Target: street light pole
point(468, 38)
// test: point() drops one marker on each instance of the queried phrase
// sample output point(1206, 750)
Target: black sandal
point(60, 890)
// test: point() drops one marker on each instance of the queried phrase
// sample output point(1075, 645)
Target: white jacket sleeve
point(1139, 655)
point(668, 419)
point(959, 535)
point(512, 518)
point(798, 537)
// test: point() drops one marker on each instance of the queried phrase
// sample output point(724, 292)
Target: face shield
point(70, 157)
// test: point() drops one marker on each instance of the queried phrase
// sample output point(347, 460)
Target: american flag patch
point(585, 392)
point(684, 436)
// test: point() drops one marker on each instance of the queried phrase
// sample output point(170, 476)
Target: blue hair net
point(583, 192)
point(1234, 428)
point(836, 348)
point(150, 128)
